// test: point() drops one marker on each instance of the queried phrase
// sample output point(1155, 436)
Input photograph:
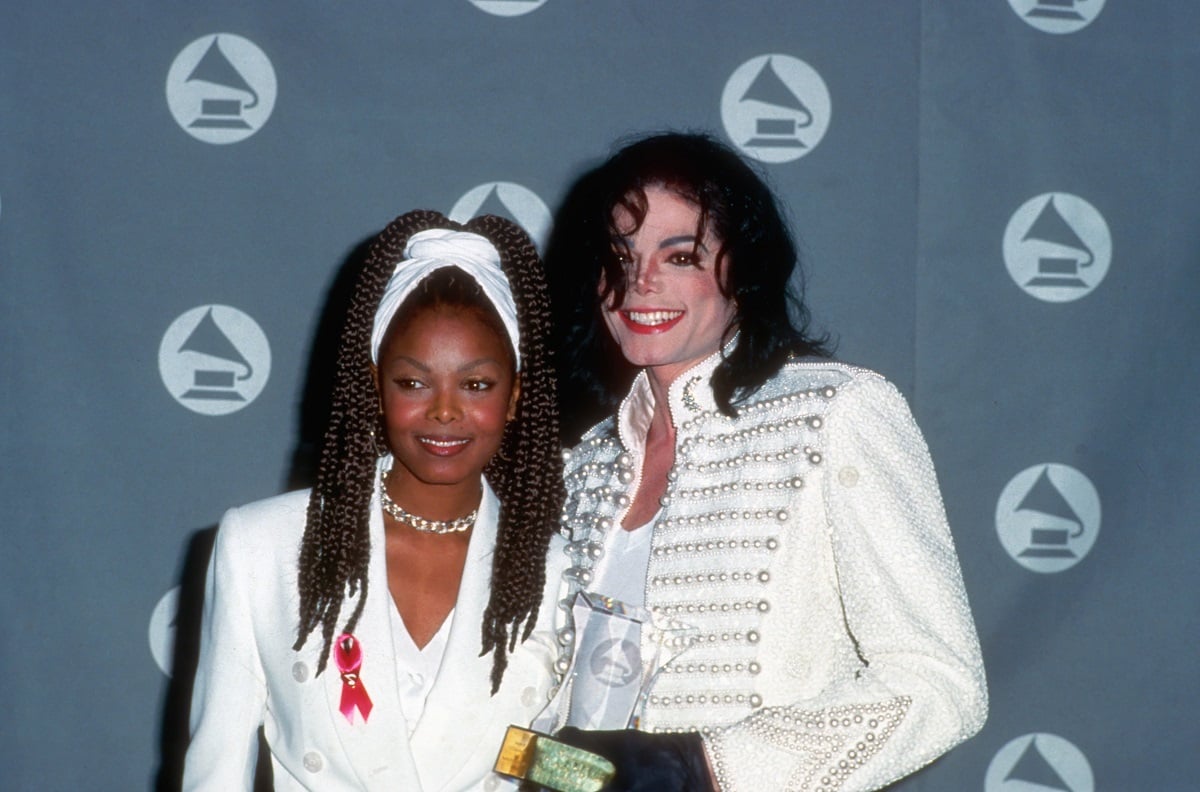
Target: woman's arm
point(229, 694)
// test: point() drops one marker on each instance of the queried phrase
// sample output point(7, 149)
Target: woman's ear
point(375, 379)
point(514, 397)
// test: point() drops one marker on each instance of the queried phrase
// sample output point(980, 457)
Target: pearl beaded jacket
point(807, 541)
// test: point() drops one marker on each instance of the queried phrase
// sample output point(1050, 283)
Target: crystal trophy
point(619, 651)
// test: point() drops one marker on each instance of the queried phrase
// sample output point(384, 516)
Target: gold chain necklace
point(422, 524)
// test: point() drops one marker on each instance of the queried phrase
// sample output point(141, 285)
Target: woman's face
point(447, 386)
point(674, 314)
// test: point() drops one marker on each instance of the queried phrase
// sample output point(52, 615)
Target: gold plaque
point(552, 764)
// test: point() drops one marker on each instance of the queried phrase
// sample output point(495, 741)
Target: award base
point(544, 761)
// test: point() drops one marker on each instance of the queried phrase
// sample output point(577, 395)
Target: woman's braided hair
point(526, 473)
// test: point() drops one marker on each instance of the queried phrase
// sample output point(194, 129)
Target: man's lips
point(650, 321)
point(443, 446)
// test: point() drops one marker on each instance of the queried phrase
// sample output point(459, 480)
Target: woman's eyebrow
point(412, 362)
point(483, 361)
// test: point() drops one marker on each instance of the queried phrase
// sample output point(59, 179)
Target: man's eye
point(684, 259)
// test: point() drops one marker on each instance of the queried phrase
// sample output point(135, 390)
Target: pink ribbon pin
point(347, 654)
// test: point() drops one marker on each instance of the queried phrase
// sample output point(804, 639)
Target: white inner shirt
point(416, 668)
point(622, 571)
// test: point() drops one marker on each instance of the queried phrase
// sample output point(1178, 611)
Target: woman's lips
point(443, 446)
point(650, 321)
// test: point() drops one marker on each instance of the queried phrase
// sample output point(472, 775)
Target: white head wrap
point(437, 248)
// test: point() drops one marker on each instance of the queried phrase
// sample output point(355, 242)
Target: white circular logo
point(221, 88)
point(507, 8)
point(162, 630)
point(1057, 16)
point(775, 108)
point(616, 662)
point(1048, 517)
point(1057, 247)
point(214, 359)
point(1039, 762)
point(509, 200)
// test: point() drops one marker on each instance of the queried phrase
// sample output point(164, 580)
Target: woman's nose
point(443, 408)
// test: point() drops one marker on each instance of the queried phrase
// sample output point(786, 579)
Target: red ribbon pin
point(347, 654)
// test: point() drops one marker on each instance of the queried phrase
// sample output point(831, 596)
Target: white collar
point(688, 397)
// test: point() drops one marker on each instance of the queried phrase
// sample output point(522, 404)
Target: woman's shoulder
point(272, 523)
point(283, 504)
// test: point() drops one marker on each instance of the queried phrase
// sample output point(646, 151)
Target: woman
point(386, 627)
point(781, 503)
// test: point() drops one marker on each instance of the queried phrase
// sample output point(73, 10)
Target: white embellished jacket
point(807, 541)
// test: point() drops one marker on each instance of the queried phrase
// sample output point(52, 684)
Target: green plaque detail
point(552, 764)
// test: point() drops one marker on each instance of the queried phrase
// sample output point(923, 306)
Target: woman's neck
point(432, 501)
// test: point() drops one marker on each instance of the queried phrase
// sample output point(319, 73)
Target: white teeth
point(653, 317)
point(443, 443)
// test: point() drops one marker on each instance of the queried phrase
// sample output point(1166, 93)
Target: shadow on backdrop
point(322, 365)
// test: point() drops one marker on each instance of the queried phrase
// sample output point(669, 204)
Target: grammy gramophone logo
point(1057, 247)
point(221, 88)
point(775, 108)
point(161, 630)
point(507, 8)
point(1041, 761)
point(214, 359)
point(1048, 517)
point(508, 200)
point(1057, 16)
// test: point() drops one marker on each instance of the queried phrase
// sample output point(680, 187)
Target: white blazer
point(249, 675)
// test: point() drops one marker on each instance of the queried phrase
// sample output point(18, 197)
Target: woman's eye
point(479, 385)
point(407, 383)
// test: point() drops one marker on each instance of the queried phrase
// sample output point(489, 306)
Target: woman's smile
point(443, 446)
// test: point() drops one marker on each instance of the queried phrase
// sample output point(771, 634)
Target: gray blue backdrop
point(997, 202)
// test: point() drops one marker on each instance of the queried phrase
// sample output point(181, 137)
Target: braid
point(526, 473)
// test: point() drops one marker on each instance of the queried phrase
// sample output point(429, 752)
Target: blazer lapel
point(378, 748)
point(459, 704)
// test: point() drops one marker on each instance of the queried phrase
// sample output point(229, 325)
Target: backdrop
point(997, 206)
